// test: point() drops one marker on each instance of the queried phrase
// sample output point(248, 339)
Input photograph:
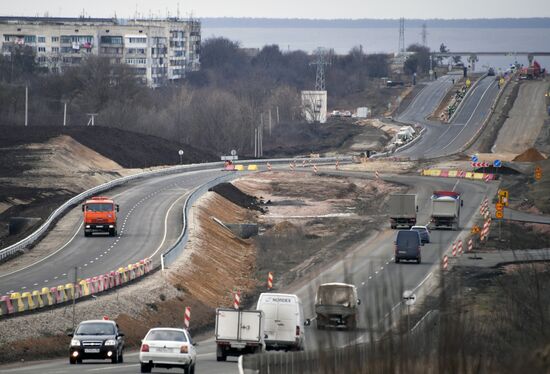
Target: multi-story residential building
point(159, 51)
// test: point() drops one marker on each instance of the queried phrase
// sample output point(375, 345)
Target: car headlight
point(110, 342)
point(87, 226)
point(75, 343)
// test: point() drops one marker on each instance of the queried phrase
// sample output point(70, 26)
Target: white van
point(284, 321)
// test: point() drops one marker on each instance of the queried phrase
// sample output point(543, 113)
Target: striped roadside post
point(315, 168)
point(268, 166)
point(460, 247)
point(187, 317)
point(236, 300)
point(454, 249)
point(470, 245)
point(376, 174)
point(445, 262)
point(337, 165)
point(269, 280)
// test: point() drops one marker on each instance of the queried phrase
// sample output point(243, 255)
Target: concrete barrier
point(6, 306)
point(46, 296)
point(131, 272)
point(70, 291)
point(85, 289)
point(252, 167)
point(28, 302)
point(37, 297)
point(17, 302)
point(61, 294)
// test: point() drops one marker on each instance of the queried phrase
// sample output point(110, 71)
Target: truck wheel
point(72, 361)
point(145, 368)
point(396, 260)
point(418, 260)
point(220, 354)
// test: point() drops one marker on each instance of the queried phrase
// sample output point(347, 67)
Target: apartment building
point(159, 50)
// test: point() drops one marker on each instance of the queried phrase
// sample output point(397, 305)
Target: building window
point(41, 49)
point(55, 59)
point(131, 51)
point(111, 39)
point(41, 39)
point(41, 59)
point(55, 49)
point(30, 39)
point(140, 51)
point(137, 40)
point(55, 39)
point(66, 39)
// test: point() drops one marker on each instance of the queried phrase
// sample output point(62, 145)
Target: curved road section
point(445, 139)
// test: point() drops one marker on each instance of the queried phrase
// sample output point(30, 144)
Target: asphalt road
point(146, 206)
point(369, 266)
point(446, 139)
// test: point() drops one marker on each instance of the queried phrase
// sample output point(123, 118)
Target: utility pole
point(424, 34)
point(277, 114)
point(269, 122)
point(26, 105)
point(256, 142)
point(75, 280)
point(320, 62)
point(401, 47)
point(65, 114)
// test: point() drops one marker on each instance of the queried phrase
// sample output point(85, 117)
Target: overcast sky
point(282, 8)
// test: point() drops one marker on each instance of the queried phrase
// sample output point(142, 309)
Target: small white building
point(314, 106)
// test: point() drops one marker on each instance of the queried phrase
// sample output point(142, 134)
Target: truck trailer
point(403, 210)
point(238, 332)
point(446, 210)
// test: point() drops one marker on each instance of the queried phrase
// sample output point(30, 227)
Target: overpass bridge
point(473, 56)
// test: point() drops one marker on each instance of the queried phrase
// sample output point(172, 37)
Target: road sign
point(233, 152)
point(409, 297)
point(475, 229)
point(497, 163)
point(503, 197)
point(499, 214)
point(499, 207)
point(230, 158)
point(468, 83)
point(475, 158)
point(180, 152)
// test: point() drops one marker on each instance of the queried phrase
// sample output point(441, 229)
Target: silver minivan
point(284, 321)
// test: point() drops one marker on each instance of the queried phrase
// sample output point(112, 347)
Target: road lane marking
point(166, 225)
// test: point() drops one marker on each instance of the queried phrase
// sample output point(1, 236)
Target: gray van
point(407, 246)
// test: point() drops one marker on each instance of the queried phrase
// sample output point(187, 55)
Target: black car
point(96, 339)
point(407, 246)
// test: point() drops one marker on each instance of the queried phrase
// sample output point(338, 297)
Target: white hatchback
point(166, 347)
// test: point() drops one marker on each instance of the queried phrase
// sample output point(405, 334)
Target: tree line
point(216, 108)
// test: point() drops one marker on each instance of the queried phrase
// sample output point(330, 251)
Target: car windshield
point(420, 229)
point(167, 335)
point(335, 295)
point(95, 328)
point(97, 207)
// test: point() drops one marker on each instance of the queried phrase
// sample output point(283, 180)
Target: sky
point(320, 9)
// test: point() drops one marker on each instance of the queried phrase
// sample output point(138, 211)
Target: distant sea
point(385, 39)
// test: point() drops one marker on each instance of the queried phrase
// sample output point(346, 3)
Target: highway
point(369, 266)
point(146, 206)
point(445, 139)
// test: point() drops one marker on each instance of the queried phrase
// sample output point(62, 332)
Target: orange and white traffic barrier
point(470, 245)
point(70, 291)
point(337, 165)
point(460, 246)
point(304, 163)
point(148, 265)
point(376, 174)
point(291, 166)
point(6, 306)
point(445, 262)
point(187, 317)
point(315, 170)
point(123, 275)
point(131, 272)
point(268, 166)
point(454, 250)
point(236, 300)
point(269, 280)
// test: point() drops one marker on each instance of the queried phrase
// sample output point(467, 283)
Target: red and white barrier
point(454, 249)
point(445, 262)
point(291, 166)
point(187, 317)
point(337, 165)
point(304, 163)
point(470, 245)
point(376, 174)
point(480, 164)
point(6, 307)
point(236, 300)
point(268, 166)
point(459, 246)
point(269, 280)
point(315, 170)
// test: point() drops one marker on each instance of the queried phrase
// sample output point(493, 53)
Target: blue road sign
point(474, 158)
point(497, 163)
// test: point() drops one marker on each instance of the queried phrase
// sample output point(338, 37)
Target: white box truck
point(284, 321)
point(446, 210)
point(238, 332)
point(403, 210)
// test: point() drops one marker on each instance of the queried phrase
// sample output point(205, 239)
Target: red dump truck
point(100, 215)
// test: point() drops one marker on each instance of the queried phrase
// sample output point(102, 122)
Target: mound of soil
point(530, 155)
point(236, 196)
point(128, 149)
